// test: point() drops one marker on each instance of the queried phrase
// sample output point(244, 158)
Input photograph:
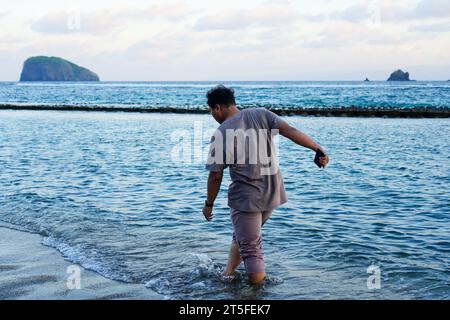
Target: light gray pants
point(247, 234)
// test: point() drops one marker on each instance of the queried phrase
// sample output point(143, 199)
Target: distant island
point(367, 79)
point(42, 68)
point(399, 75)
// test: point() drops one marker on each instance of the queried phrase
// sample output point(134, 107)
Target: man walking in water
point(244, 143)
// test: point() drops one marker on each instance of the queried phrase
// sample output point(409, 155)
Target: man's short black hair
point(220, 95)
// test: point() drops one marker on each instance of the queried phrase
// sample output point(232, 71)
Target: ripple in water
point(102, 189)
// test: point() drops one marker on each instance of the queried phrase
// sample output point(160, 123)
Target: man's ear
point(217, 107)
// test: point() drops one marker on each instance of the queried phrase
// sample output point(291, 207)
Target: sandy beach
point(30, 270)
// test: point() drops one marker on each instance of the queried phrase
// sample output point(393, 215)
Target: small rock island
point(42, 68)
point(399, 75)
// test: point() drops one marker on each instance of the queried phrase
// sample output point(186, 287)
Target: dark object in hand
point(319, 154)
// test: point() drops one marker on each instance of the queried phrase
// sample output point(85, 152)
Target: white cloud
point(344, 34)
point(63, 22)
point(432, 9)
point(103, 21)
point(431, 27)
point(234, 40)
point(391, 11)
point(269, 15)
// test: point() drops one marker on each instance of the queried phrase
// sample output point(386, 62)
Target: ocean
point(107, 191)
point(191, 95)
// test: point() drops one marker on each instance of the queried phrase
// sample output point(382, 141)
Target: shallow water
point(279, 94)
point(103, 190)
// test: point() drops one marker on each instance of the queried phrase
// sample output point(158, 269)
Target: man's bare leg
point(256, 278)
point(234, 260)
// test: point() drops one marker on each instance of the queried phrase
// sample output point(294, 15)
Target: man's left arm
point(302, 139)
point(295, 135)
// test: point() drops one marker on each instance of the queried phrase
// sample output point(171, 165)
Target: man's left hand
point(324, 160)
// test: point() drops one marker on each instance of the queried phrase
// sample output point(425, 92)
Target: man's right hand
point(207, 212)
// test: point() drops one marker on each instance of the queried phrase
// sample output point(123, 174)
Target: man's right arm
point(214, 182)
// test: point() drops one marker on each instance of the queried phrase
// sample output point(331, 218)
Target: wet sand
point(30, 270)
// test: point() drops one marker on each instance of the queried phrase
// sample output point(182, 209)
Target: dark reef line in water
point(420, 112)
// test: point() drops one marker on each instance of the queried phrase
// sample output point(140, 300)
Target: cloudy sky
point(231, 40)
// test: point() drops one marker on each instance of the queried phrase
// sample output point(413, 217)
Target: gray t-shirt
point(257, 184)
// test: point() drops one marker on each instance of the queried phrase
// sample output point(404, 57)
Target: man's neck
point(232, 111)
